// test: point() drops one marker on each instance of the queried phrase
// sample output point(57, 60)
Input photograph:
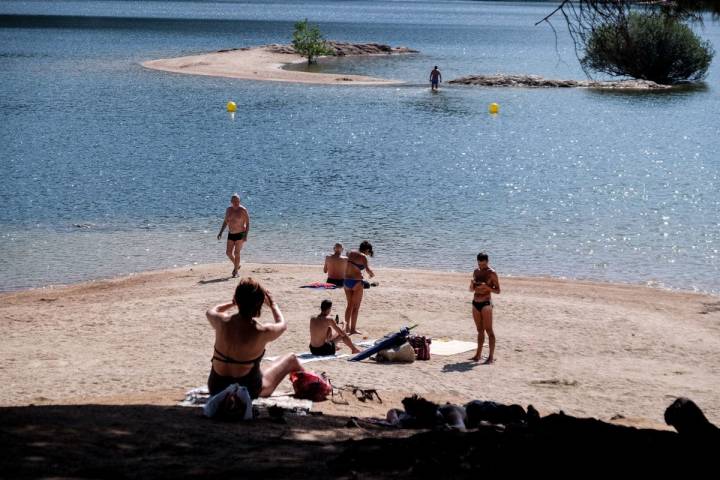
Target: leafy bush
point(308, 41)
point(648, 46)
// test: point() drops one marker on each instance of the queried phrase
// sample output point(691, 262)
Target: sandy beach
point(92, 375)
point(590, 349)
point(257, 63)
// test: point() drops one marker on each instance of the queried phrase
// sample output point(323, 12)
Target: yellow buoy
point(231, 107)
point(494, 108)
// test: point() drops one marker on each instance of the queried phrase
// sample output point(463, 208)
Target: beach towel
point(451, 347)
point(320, 286)
point(307, 357)
point(198, 397)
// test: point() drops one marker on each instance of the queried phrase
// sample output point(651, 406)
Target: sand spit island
point(267, 63)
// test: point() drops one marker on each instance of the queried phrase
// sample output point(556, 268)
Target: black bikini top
point(221, 357)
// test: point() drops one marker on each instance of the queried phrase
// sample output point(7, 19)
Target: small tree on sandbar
point(642, 39)
point(648, 46)
point(309, 42)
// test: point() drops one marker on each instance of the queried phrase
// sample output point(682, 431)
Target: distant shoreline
point(266, 63)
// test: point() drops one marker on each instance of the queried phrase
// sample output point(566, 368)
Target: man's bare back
point(335, 266)
point(321, 330)
point(325, 332)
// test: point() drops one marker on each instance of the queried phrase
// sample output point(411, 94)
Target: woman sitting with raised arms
point(240, 342)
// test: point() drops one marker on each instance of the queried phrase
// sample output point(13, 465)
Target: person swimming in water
point(483, 284)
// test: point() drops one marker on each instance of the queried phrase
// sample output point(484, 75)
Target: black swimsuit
point(481, 305)
point(338, 282)
point(235, 237)
point(251, 380)
point(327, 348)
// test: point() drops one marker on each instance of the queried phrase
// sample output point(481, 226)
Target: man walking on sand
point(237, 220)
point(435, 78)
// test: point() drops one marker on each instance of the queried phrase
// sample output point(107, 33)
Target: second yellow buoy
point(494, 108)
point(231, 107)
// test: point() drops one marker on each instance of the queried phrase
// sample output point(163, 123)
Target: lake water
point(109, 168)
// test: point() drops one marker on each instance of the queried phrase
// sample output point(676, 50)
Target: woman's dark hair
point(249, 298)
point(366, 247)
point(482, 257)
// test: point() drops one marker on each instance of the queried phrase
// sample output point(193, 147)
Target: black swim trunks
point(327, 349)
point(481, 305)
point(234, 237)
point(338, 282)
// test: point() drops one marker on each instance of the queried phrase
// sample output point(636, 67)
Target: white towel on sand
point(307, 357)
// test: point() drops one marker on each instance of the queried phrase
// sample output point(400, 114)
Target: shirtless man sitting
point(335, 265)
point(324, 333)
point(237, 220)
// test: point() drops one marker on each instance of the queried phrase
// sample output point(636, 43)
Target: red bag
point(421, 345)
point(310, 386)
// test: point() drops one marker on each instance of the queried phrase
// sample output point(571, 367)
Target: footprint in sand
point(710, 307)
point(554, 382)
point(264, 270)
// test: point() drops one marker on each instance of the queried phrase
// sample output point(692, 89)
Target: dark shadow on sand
point(214, 280)
point(460, 366)
point(146, 441)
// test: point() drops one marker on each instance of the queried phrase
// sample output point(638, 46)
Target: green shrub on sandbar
point(648, 46)
point(308, 41)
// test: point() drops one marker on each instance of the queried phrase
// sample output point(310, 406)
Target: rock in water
point(535, 81)
point(342, 49)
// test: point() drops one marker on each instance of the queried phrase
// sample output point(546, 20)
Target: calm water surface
point(109, 168)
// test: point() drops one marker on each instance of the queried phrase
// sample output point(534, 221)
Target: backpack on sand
point(309, 385)
point(421, 344)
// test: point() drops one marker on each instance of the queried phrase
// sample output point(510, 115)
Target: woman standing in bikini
point(483, 284)
point(357, 261)
point(240, 342)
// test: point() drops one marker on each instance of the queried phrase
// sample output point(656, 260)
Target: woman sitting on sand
point(357, 261)
point(240, 342)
